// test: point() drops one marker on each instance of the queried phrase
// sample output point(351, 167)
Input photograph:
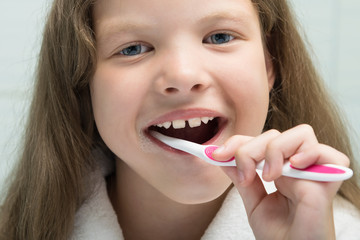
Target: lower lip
point(164, 146)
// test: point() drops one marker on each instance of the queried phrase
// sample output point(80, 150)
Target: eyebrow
point(120, 26)
point(123, 26)
point(240, 17)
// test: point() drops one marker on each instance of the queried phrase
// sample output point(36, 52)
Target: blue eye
point(133, 50)
point(219, 38)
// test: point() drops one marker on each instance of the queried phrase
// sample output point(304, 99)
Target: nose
point(182, 73)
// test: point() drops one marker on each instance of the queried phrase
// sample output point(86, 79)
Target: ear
point(270, 70)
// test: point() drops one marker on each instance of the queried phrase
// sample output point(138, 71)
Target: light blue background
point(332, 27)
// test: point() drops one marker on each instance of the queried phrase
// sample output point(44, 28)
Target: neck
point(145, 213)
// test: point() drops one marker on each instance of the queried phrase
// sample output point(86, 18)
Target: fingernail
point(297, 157)
point(219, 149)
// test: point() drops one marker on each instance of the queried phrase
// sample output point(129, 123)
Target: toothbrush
point(323, 173)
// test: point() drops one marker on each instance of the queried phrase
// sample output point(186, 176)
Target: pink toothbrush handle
point(323, 173)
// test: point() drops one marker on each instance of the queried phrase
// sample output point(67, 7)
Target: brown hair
point(298, 95)
point(47, 185)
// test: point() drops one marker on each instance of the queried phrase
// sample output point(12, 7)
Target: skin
point(178, 71)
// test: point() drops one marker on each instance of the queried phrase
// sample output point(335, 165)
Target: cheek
point(115, 99)
point(247, 89)
point(251, 99)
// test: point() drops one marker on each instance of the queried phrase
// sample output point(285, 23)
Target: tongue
point(200, 134)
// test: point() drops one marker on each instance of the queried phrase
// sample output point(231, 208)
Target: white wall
point(21, 25)
point(332, 27)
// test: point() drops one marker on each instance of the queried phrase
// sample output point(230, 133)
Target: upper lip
point(183, 115)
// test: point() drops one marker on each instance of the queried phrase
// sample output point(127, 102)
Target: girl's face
point(182, 62)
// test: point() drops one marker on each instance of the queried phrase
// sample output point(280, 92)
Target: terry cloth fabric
point(96, 218)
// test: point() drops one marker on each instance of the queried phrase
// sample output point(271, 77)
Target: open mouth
point(198, 130)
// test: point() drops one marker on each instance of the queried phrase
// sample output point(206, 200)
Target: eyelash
point(134, 45)
point(208, 39)
point(145, 48)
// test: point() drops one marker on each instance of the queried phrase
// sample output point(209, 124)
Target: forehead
point(130, 14)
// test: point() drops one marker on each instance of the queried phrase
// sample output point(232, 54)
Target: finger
point(252, 152)
point(284, 146)
point(252, 194)
point(245, 168)
point(298, 190)
point(228, 149)
point(247, 153)
point(305, 190)
point(319, 154)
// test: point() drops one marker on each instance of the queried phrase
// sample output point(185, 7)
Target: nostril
point(171, 90)
point(196, 87)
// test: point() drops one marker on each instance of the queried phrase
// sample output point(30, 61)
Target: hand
point(300, 209)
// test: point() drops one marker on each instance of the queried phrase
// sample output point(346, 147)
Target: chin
point(198, 194)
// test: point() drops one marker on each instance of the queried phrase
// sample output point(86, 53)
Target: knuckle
point(242, 153)
point(273, 132)
point(273, 146)
point(306, 128)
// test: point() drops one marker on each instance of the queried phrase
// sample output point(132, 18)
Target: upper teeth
point(193, 122)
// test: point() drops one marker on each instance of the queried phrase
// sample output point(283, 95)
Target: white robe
point(96, 218)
